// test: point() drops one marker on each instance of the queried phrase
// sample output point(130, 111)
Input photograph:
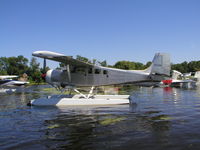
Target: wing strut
point(91, 92)
point(68, 73)
point(44, 65)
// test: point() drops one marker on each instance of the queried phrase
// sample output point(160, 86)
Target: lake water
point(160, 118)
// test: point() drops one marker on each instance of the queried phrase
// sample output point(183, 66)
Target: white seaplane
point(81, 74)
point(8, 81)
point(182, 80)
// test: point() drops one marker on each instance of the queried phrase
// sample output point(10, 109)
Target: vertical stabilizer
point(160, 65)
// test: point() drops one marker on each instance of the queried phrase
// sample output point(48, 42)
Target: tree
point(34, 65)
point(84, 59)
point(139, 66)
point(194, 66)
point(148, 64)
point(183, 67)
point(127, 65)
point(14, 65)
point(103, 63)
point(34, 73)
point(3, 65)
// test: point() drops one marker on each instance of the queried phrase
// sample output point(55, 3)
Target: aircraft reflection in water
point(105, 126)
point(82, 74)
point(160, 118)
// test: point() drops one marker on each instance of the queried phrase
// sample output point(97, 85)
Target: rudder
point(160, 65)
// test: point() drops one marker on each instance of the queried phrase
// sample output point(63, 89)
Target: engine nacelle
point(57, 77)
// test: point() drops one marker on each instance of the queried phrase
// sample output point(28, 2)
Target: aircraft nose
point(48, 76)
point(37, 53)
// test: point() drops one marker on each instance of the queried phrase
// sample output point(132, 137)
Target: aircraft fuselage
point(96, 76)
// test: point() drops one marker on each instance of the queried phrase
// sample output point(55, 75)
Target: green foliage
point(61, 65)
point(13, 65)
point(103, 63)
point(19, 65)
point(138, 66)
point(185, 67)
point(3, 65)
point(84, 59)
point(128, 65)
point(93, 61)
point(148, 64)
point(194, 66)
point(34, 71)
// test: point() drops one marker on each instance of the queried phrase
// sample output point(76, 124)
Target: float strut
point(91, 91)
point(88, 96)
point(80, 93)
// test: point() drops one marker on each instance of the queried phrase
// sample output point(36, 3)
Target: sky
point(111, 30)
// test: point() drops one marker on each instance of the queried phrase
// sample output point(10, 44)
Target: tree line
point(20, 65)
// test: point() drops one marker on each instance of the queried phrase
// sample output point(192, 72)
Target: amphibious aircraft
point(81, 74)
point(78, 73)
point(181, 80)
point(7, 80)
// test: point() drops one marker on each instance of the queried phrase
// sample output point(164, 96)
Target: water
point(160, 118)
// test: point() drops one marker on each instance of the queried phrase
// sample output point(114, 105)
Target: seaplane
point(8, 81)
point(82, 74)
point(181, 80)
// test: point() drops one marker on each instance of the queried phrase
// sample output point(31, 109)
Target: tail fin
point(160, 65)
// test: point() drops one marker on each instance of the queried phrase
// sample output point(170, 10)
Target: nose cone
point(37, 53)
point(48, 76)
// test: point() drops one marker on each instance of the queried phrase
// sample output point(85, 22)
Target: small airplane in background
point(181, 80)
point(7, 80)
point(81, 74)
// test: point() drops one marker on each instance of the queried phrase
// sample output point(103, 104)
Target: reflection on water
point(159, 118)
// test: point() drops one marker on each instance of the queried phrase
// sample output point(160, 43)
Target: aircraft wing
point(61, 58)
point(7, 77)
point(182, 81)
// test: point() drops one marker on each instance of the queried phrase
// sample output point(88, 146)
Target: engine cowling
point(57, 77)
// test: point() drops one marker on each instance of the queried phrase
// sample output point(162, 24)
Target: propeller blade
point(68, 72)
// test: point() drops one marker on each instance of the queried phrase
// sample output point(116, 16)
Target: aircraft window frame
point(73, 70)
point(97, 71)
point(105, 72)
point(80, 70)
point(90, 71)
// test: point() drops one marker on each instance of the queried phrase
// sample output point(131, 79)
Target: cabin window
point(90, 70)
point(80, 70)
point(73, 70)
point(97, 71)
point(105, 72)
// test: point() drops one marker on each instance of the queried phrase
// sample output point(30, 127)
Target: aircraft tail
point(160, 65)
